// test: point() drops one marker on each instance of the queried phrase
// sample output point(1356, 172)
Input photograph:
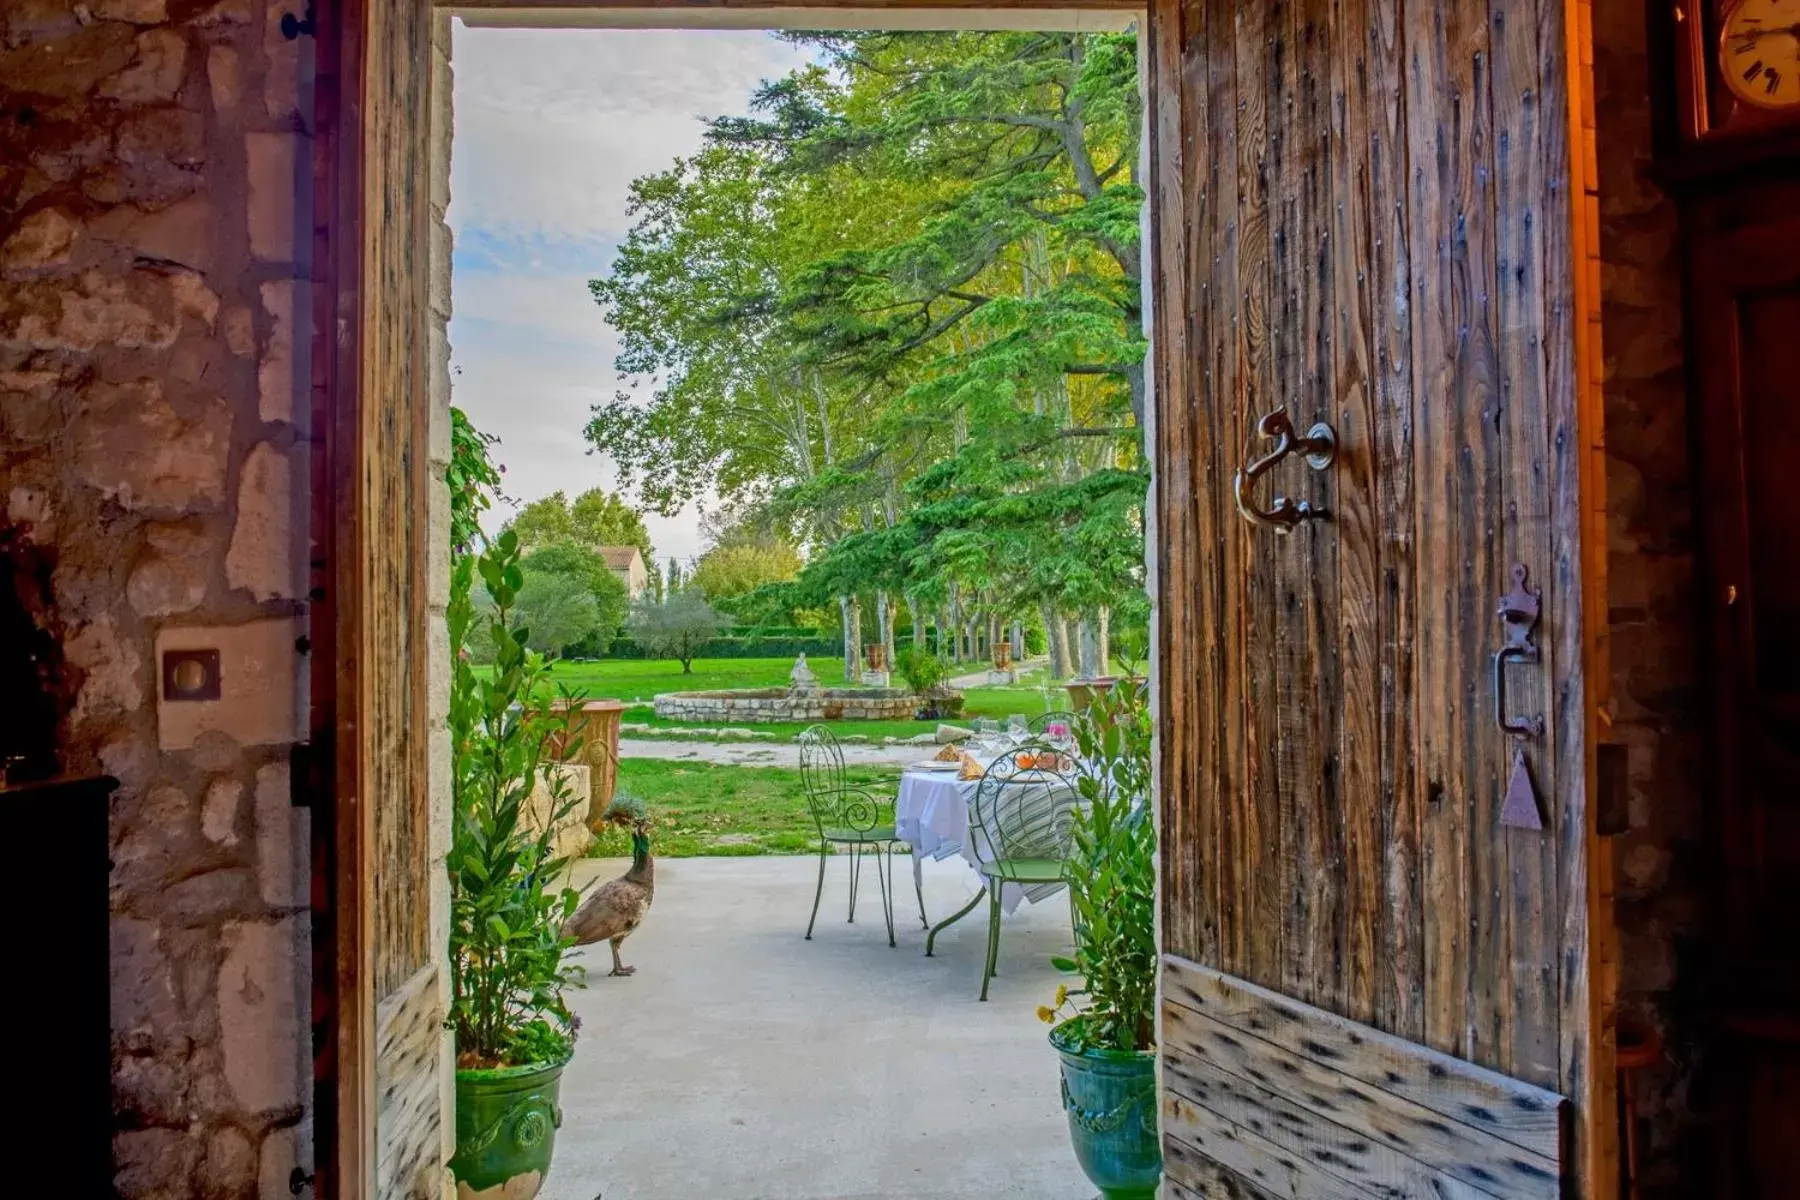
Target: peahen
point(616, 908)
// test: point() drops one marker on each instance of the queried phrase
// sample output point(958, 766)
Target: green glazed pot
point(506, 1123)
point(1110, 1096)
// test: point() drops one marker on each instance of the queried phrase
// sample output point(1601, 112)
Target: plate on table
point(932, 764)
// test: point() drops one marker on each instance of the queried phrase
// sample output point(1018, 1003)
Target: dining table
point(933, 813)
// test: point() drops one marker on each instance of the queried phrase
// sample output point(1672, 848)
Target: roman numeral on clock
point(1752, 71)
point(1772, 79)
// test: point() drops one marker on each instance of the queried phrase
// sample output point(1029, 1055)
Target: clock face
point(1759, 53)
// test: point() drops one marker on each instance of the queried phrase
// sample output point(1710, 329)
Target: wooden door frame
point(343, 1000)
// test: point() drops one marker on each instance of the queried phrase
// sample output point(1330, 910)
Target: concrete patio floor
point(742, 1062)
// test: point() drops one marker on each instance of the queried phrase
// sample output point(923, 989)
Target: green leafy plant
point(1112, 883)
point(507, 899)
point(922, 670)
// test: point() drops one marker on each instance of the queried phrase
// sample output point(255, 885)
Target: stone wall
point(1651, 562)
point(153, 423)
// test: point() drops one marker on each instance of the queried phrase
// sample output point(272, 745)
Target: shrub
point(1112, 880)
point(507, 901)
point(922, 670)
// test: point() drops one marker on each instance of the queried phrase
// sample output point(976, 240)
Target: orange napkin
point(970, 768)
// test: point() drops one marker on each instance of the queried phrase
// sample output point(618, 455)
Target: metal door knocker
point(1320, 449)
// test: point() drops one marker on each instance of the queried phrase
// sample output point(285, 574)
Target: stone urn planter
point(1082, 691)
point(1110, 1098)
point(506, 1122)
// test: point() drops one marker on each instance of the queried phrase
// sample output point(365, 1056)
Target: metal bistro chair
point(851, 816)
point(1022, 820)
point(1040, 724)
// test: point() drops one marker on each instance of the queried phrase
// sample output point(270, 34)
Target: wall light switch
point(245, 681)
point(189, 675)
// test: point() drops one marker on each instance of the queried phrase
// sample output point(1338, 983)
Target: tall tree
point(597, 518)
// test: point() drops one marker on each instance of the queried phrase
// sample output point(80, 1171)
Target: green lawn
point(704, 809)
point(642, 679)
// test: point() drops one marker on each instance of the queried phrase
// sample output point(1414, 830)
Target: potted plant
point(1105, 1029)
point(508, 901)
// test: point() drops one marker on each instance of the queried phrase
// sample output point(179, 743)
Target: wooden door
point(379, 1004)
point(1375, 984)
point(1745, 302)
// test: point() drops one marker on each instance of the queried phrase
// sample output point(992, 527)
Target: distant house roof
point(619, 558)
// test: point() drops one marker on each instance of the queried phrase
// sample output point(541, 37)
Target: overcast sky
point(551, 128)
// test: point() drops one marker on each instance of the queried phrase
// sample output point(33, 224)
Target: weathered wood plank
point(1575, 364)
point(1318, 787)
point(1174, 445)
point(1529, 858)
point(1526, 1116)
point(1379, 1169)
point(1441, 695)
point(1190, 1174)
point(1357, 513)
point(1257, 810)
point(1250, 1156)
point(1459, 1149)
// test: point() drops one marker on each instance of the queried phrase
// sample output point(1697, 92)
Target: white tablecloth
point(932, 813)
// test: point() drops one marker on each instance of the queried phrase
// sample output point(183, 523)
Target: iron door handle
point(1319, 446)
point(1532, 726)
point(1519, 612)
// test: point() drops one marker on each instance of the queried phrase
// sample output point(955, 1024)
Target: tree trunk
point(1103, 634)
point(918, 623)
point(1089, 649)
point(849, 635)
point(1056, 644)
point(884, 618)
point(853, 659)
point(1016, 639)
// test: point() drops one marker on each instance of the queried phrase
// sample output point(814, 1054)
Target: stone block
point(262, 681)
point(287, 63)
point(224, 78)
point(262, 1014)
point(274, 161)
point(44, 239)
point(182, 233)
point(144, 1004)
point(137, 312)
point(281, 841)
point(240, 331)
point(112, 679)
point(137, 12)
point(133, 446)
point(161, 587)
point(265, 554)
point(437, 552)
point(282, 1150)
point(154, 76)
point(281, 378)
point(155, 1164)
point(218, 811)
point(231, 1162)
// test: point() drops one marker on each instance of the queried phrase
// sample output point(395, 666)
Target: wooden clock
point(1737, 68)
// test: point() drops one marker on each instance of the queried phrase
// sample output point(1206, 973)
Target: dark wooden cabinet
point(1743, 264)
point(59, 1009)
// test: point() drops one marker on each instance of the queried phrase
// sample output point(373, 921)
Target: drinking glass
point(1017, 729)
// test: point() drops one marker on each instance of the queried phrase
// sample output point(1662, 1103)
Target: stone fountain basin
point(767, 705)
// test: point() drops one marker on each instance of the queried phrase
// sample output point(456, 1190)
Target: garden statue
point(801, 678)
